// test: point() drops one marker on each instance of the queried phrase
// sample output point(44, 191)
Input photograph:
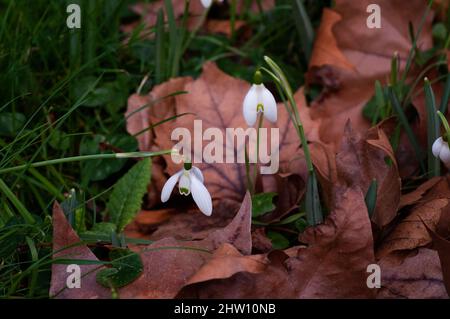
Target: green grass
point(64, 92)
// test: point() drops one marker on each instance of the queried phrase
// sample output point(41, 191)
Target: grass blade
point(160, 63)
point(408, 130)
point(445, 96)
point(304, 28)
point(314, 213)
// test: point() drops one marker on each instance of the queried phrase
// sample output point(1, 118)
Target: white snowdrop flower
point(207, 3)
point(259, 99)
point(441, 150)
point(190, 181)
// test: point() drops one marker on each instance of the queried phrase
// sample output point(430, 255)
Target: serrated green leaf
point(126, 267)
point(262, 203)
point(104, 228)
point(126, 197)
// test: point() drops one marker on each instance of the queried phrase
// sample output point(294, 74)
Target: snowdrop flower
point(259, 99)
point(190, 180)
point(441, 150)
point(207, 3)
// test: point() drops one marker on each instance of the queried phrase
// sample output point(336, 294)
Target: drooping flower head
point(190, 181)
point(259, 100)
point(207, 3)
point(441, 150)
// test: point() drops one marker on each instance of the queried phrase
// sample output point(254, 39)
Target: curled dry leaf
point(417, 194)
point(168, 263)
point(227, 261)
point(429, 200)
point(326, 50)
point(332, 266)
point(360, 160)
point(410, 232)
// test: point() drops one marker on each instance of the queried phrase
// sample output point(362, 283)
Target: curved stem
point(255, 172)
point(446, 126)
point(84, 158)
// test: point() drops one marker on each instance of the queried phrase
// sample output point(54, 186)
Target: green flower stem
point(280, 79)
point(255, 172)
point(84, 158)
point(314, 214)
point(446, 126)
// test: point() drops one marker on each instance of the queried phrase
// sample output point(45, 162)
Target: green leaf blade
point(126, 197)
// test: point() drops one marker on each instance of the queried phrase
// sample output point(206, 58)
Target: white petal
point(437, 146)
point(270, 105)
point(169, 185)
point(249, 106)
point(206, 3)
point(444, 155)
point(201, 196)
point(198, 173)
point(184, 185)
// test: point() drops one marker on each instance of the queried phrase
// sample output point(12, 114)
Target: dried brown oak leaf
point(333, 265)
point(168, 263)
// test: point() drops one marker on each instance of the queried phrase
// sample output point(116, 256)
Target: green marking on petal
point(184, 191)
point(260, 107)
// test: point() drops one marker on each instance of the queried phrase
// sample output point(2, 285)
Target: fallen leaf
point(360, 160)
point(260, 242)
point(332, 266)
point(416, 275)
point(417, 194)
point(168, 263)
point(441, 243)
point(368, 51)
point(63, 237)
point(326, 50)
point(225, 262)
point(410, 233)
point(187, 225)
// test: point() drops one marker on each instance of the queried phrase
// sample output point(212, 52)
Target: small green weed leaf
point(278, 240)
point(126, 267)
point(262, 203)
point(126, 197)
